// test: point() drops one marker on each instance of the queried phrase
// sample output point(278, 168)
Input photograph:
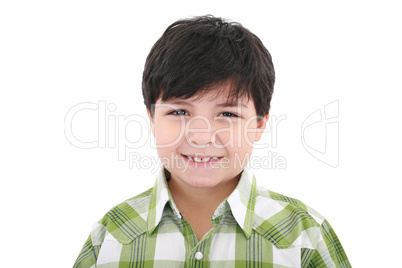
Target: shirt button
point(198, 256)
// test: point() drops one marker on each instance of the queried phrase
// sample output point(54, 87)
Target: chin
point(200, 182)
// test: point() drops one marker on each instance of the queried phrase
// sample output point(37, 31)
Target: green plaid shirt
point(253, 227)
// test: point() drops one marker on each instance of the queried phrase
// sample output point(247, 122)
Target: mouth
point(204, 159)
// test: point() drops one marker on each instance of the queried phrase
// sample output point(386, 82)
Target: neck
point(202, 199)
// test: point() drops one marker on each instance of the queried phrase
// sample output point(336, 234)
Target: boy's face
point(204, 142)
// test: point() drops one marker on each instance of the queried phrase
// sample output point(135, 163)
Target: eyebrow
point(232, 105)
point(181, 102)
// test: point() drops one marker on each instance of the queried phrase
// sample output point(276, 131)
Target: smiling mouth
point(204, 159)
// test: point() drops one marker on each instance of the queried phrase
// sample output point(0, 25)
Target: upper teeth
point(205, 159)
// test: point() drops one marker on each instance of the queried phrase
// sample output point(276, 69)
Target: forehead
point(220, 95)
point(211, 102)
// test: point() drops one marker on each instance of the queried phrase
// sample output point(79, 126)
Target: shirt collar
point(159, 197)
point(241, 202)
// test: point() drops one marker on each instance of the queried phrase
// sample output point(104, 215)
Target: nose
point(199, 131)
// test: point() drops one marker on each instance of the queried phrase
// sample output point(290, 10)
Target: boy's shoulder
point(287, 202)
point(136, 206)
point(286, 221)
point(124, 222)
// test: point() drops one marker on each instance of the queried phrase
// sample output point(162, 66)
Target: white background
point(57, 54)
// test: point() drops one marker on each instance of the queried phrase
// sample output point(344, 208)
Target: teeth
point(202, 160)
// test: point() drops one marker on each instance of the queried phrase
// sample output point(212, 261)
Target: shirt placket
point(198, 252)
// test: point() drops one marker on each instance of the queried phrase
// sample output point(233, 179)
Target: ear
point(261, 124)
point(152, 122)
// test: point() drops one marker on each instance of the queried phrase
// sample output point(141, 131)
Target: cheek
point(168, 133)
point(250, 133)
point(222, 137)
point(224, 134)
point(250, 138)
point(245, 136)
point(236, 139)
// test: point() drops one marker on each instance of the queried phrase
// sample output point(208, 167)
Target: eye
point(179, 112)
point(228, 114)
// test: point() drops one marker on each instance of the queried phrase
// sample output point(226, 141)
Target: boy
point(207, 86)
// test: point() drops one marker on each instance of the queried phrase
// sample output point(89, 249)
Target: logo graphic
point(90, 125)
point(320, 134)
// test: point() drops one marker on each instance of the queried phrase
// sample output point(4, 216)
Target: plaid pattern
point(253, 227)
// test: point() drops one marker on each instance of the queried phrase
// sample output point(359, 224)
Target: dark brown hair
point(194, 55)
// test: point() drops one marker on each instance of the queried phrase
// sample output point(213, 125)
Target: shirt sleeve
point(329, 251)
point(87, 257)
point(90, 251)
